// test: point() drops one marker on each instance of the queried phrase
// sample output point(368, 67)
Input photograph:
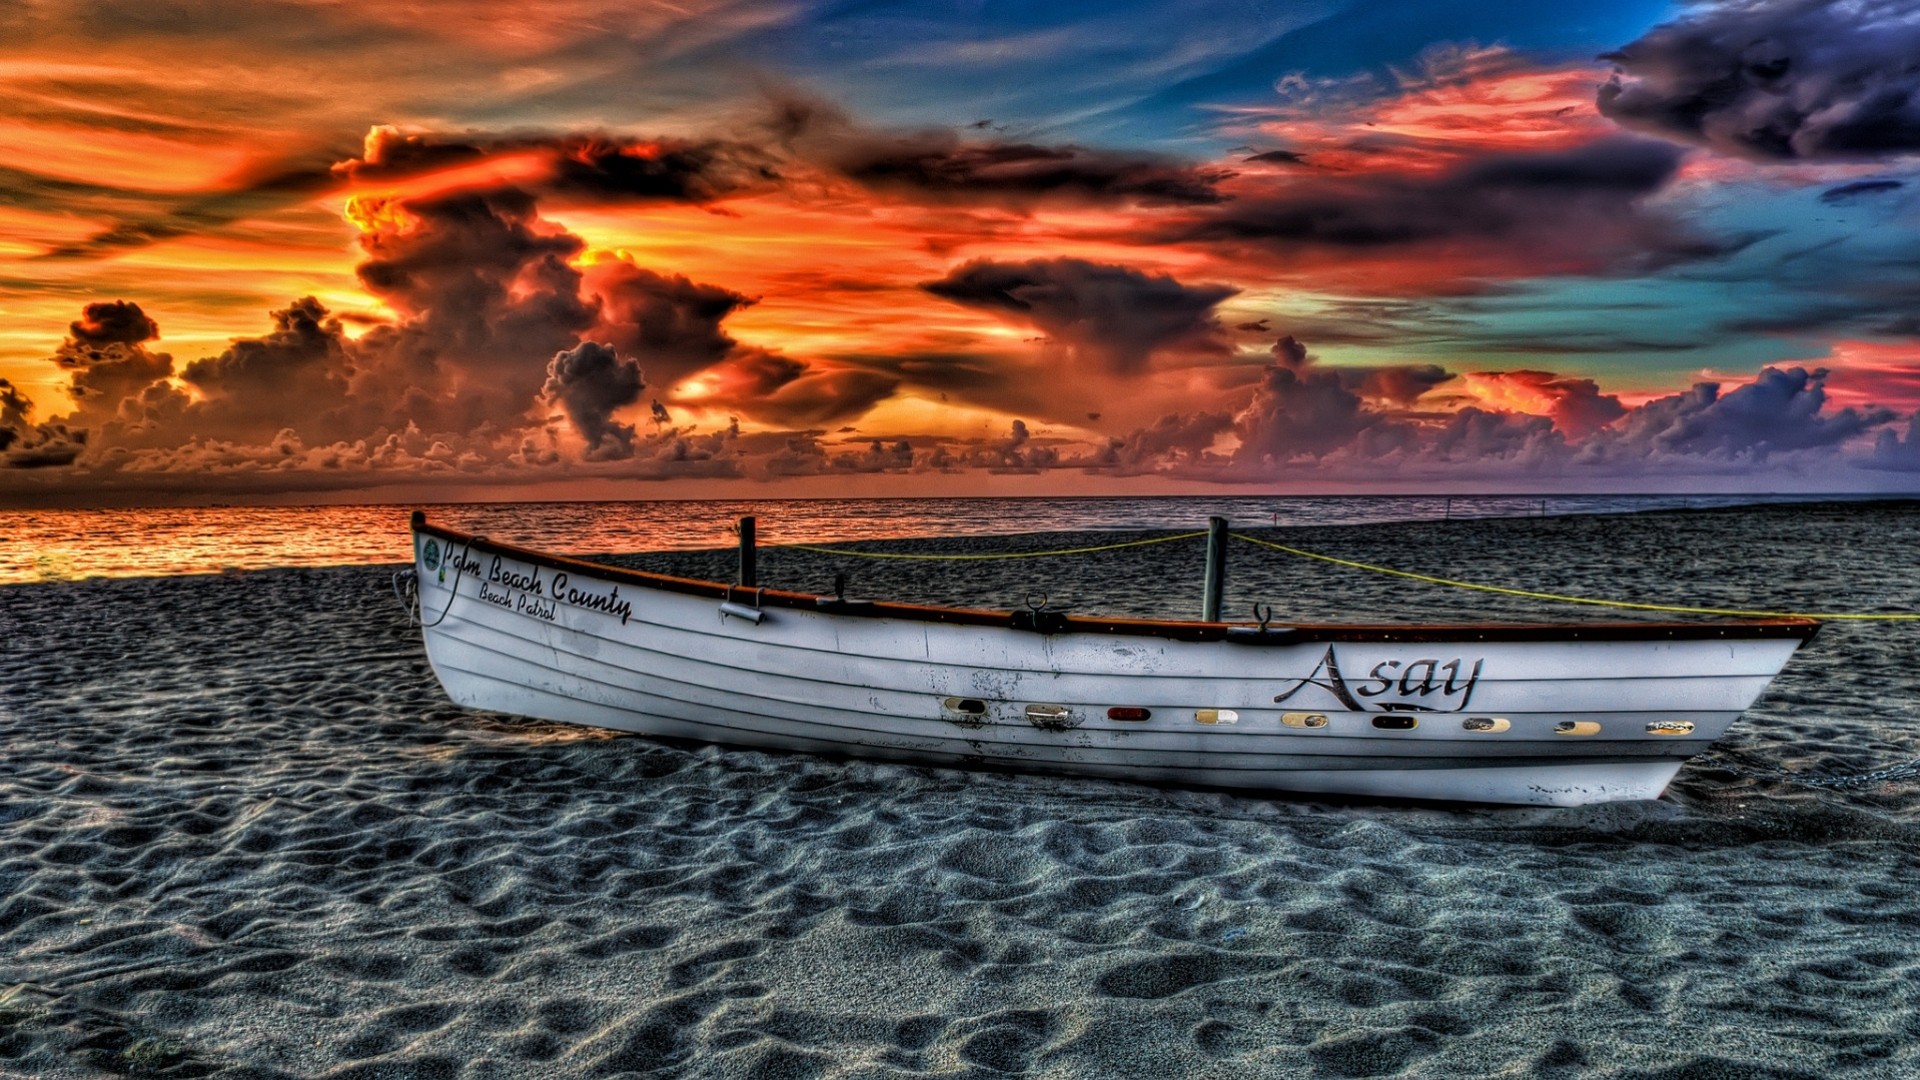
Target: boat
point(1556, 715)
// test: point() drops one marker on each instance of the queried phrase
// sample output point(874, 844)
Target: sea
point(58, 545)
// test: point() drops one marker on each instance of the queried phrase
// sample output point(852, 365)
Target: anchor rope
point(1831, 616)
point(988, 557)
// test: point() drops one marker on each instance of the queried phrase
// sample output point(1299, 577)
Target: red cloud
point(1576, 406)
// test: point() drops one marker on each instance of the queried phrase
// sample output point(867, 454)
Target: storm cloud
point(1798, 80)
point(1574, 210)
point(939, 165)
point(591, 382)
point(1117, 317)
point(589, 168)
point(670, 324)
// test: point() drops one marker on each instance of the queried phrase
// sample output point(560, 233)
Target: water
point(47, 545)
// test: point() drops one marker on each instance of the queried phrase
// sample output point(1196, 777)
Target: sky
point(326, 250)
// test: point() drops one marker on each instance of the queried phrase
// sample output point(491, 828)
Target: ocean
point(40, 545)
point(244, 834)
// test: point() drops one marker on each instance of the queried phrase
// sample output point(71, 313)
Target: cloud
point(591, 381)
point(296, 376)
point(1279, 157)
point(781, 390)
point(1846, 193)
point(1174, 440)
point(938, 165)
point(107, 355)
point(116, 322)
point(1297, 411)
point(492, 315)
point(1795, 80)
point(1576, 210)
point(1576, 406)
point(592, 168)
point(26, 445)
point(1480, 439)
point(670, 324)
point(1891, 453)
point(1114, 317)
point(486, 291)
point(1780, 411)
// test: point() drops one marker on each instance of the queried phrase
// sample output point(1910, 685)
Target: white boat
point(1550, 715)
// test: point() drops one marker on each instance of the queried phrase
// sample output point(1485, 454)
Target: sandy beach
point(243, 834)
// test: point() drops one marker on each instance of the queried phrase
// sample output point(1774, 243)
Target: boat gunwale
point(1180, 630)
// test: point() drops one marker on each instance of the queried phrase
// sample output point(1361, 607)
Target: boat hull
point(1480, 714)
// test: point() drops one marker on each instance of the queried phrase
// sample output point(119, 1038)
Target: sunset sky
point(457, 249)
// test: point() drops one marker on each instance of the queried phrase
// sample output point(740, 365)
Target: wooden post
point(749, 560)
point(1216, 582)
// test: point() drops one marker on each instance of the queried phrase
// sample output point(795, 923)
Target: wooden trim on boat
point(1180, 630)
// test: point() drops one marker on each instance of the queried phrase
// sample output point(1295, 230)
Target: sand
point(242, 833)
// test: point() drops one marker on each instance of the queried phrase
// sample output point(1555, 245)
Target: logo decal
point(432, 555)
point(1423, 685)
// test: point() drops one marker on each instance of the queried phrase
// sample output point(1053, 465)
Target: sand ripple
point(243, 834)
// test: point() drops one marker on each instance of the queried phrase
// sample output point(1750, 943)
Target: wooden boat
point(1554, 715)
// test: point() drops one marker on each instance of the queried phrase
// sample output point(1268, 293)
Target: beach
point(244, 834)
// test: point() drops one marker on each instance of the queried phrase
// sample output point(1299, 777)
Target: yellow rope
point(1830, 616)
point(1008, 555)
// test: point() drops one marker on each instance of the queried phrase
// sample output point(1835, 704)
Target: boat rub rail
point(1179, 630)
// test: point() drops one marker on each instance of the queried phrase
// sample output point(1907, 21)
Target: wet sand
point(242, 833)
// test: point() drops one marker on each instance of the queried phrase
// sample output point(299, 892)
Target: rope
point(1675, 608)
point(984, 558)
point(453, 590)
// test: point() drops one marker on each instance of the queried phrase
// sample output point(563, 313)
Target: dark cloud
point(1395, 384)
point(1579, 208)
point(296, 376)
point(1298, 411)
point(779, 389)
point(1173, 440)
point(14, 407)
point(26, 445)
point(1115, 316)
point(1846, 193)
point(1289, 352)
point(592, 168)
point(486, 293)
point(1018, 453)
point(669, 324)
point(1801, 80)
point(1279, 157)
point(591, 382)
point(879, 456)
point(116, 322)
point(939, 165)
point(105, 374)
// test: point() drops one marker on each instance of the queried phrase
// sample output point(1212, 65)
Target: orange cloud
point(1458, 103)
point(1576, 406)
point(1874, 373)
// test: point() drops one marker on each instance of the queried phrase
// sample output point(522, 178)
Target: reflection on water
point(39, 545)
